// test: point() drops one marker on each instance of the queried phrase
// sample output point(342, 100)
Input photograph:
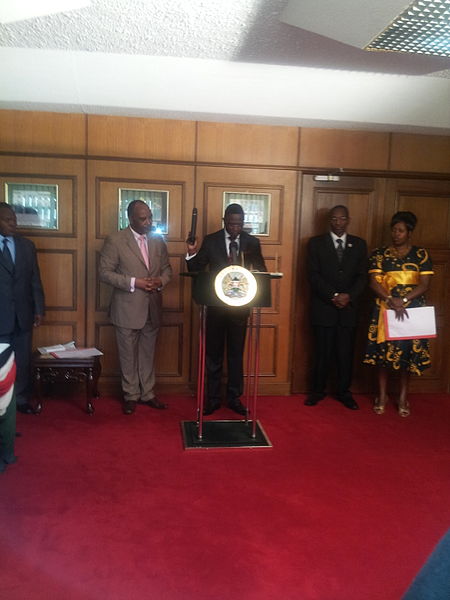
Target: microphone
point(191, 236)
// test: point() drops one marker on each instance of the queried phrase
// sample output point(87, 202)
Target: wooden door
point(430, 202)
point(362, 197)
point(372, 202)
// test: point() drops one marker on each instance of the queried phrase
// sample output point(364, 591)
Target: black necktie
point(7, 258)
point(339, 249)
point(233, 252)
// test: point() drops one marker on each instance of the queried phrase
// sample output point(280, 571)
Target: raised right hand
point(192, 248)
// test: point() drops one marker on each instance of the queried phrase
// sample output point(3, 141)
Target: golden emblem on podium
point(235, 285)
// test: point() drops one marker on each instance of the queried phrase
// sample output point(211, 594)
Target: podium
point(247, 433)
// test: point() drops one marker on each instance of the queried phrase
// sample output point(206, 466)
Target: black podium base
point(224, 434)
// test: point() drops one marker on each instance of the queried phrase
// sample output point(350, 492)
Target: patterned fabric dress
point(398, 276)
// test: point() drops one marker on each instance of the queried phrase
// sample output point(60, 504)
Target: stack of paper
point(56, 348)
point(69, 350)
point(418, 323)
point(77, 353)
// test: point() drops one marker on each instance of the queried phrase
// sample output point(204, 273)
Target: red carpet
point(346, 505)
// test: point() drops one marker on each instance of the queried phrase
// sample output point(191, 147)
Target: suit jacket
point(21, 293)
point(120, 260)
point(328, 276)
point(213, 253)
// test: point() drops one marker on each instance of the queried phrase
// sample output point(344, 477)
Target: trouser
point(137, 356)
point(225, 326)
point(333, 344)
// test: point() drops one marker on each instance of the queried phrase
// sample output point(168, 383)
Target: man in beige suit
point(137, 266)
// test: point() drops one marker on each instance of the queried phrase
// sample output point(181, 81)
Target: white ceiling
point(226, 60)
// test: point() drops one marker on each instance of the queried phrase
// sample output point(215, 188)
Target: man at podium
point(230, 245)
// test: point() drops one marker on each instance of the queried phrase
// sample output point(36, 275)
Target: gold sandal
point(379, 406)
point(404, 409)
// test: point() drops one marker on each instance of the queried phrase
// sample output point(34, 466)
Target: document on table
point(418, 323)
point(57, 348)
point(77, 353)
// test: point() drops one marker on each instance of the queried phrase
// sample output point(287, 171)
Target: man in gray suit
point(137, 265)
point(21, 300)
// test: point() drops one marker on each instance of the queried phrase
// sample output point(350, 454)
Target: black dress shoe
point(313, 399)
point(348, 401)
point(128, 407)
point(209, 408)
point(154, 403)
point(26, 409)
point(238, 407)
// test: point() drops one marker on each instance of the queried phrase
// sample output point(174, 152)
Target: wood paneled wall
point(344, 149)
point(212, 182)
point(247, 145)
point(62, 253)
point(141, 138)
point(104, 180)
point(42, 132)
point(371, 202)
point(90, 157)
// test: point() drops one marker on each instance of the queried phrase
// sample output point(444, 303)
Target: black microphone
point(191, 236)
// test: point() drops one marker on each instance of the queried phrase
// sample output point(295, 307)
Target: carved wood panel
point(372, 202)
point(61, 253)
point(104, 182)
point(277, 248)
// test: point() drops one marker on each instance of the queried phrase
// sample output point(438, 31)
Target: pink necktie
point(144, 248)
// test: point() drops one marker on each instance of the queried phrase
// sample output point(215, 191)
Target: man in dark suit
point(337, 272)
point(225, 324)
point(137, 266)
point(22, 300)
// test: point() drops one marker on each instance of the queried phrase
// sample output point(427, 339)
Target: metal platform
point(224, 434)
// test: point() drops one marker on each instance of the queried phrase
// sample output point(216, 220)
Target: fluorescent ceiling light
point(354, 22)
point(19, 10)
point(424, 28)
point(421, 26)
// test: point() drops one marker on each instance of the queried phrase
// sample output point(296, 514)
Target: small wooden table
point(50, 370)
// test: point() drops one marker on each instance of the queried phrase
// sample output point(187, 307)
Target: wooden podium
point(247, 433)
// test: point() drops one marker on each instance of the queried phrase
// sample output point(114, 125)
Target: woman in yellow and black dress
point(399, 276)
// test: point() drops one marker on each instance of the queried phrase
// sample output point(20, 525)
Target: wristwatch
point(405, 300)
